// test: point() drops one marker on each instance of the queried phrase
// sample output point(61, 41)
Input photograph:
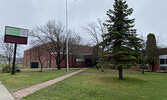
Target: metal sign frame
point(19, 39)
point(16, 38)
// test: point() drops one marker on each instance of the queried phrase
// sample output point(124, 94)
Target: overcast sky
point(150, 15)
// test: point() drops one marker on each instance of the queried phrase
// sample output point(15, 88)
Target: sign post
point(16, 36)
point(14, 59)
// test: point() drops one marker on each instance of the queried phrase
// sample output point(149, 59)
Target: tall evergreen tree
point(151, 50)
point(120, 43)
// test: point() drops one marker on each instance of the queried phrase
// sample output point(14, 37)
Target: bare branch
point(53, 39)
point(7, 48)
point(96, 30)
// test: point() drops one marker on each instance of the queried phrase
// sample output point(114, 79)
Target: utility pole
point(67, 70)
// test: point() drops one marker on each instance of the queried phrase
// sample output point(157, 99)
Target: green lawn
point(2, 65)
point(29, 77)
point(94, 85)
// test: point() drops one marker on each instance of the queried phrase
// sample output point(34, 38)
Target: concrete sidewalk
point(4, 93)
point(29, 90)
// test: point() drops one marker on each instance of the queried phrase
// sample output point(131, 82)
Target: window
point(80, 60)
point(162, 61)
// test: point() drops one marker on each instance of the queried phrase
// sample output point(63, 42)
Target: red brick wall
point(156, 67)
point(31, 56)
point(81, 64)
point(134, 68)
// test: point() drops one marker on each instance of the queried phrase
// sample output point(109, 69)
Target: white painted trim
point(163, 57)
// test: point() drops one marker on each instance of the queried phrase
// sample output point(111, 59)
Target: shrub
point(7, 69)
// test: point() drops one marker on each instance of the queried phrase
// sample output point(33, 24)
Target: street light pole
point(67, 70)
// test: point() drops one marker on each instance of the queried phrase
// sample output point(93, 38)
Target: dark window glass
point(162, 61)
point(166, 61)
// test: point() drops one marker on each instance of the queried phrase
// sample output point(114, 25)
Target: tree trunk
point(153, 67)
point(41, 67)
point(58, 66)
point(120, 73)
point(142, 69)
point(75, 62)
point(102, 69)
point(9, 63)
point(72, 61)
point(97, 67)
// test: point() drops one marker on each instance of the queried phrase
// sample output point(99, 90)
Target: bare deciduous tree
point(40, 53)
point(96, 31)
point(8, 49)
point(53, 38)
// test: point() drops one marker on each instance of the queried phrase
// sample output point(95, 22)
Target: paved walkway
point(26, 91)
point(4, 94)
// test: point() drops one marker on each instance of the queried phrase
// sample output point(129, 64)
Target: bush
point(7, 69)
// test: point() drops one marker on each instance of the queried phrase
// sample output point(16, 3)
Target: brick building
point(161, 60)
point(82, 59)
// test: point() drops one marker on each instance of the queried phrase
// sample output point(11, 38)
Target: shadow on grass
point(126, 80)
point(134, 80)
